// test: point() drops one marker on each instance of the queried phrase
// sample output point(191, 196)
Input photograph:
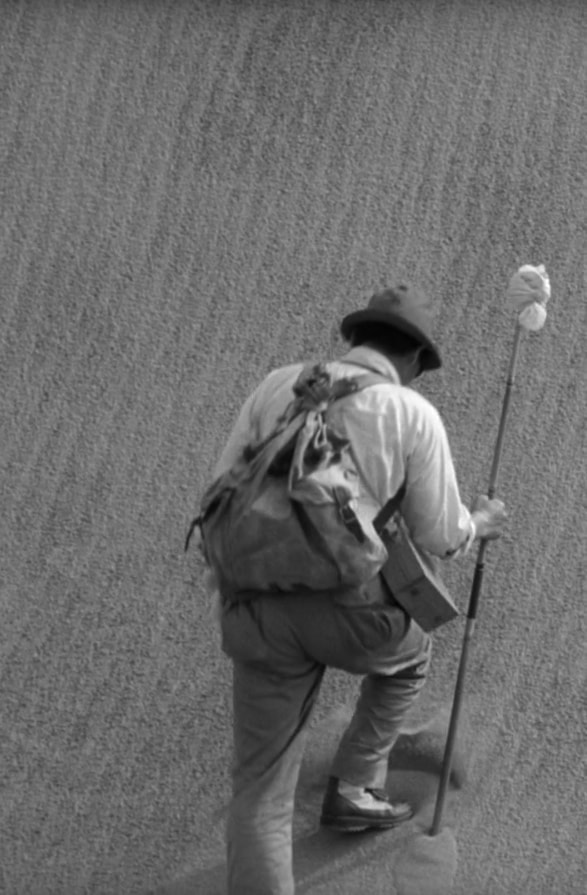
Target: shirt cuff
point(464, 548)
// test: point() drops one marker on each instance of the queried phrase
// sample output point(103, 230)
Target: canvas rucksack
point(283, 518)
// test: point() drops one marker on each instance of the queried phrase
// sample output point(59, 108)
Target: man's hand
point(489, 517)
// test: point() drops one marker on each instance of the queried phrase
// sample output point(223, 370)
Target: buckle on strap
point(348, 515)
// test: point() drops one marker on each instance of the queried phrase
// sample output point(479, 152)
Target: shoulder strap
point(350, 385)
point(391, 507)
point(364, 380)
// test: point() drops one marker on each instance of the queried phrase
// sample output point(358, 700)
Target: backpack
point(283, 518)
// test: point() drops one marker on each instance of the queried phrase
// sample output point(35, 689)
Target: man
point(281, 645)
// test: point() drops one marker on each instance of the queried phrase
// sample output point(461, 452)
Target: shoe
point(371, 811)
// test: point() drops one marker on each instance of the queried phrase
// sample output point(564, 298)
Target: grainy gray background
point(191, 194)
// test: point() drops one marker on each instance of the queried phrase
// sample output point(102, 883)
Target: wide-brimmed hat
point(402, 308)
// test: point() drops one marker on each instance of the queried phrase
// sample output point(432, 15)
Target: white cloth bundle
point(527, 293)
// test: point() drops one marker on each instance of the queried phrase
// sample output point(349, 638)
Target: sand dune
point(191, 194)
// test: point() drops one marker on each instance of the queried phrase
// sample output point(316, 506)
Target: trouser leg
point(271, 714)
point(390, 652)
point(363, 753)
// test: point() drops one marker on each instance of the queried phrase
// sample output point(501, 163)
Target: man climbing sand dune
point(281, 637)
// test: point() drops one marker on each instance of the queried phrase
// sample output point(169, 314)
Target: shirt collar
point(373, 360)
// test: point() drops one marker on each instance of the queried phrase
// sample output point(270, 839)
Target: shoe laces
point(379, 794)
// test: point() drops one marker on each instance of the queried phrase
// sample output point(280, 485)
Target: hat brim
point(431, 359)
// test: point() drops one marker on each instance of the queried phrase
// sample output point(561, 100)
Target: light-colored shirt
point(396, 434)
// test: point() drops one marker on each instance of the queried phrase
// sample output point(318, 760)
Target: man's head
point(403, 350)
point(398, 323)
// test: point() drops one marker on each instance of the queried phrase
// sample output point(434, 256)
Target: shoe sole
point(356, 825)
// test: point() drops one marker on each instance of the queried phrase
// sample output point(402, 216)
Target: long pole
point(473, 600)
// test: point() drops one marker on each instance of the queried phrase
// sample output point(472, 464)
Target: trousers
point(280, 647)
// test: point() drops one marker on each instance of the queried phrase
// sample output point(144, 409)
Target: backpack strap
point(391, 507)
point(364, 380)
point(370, 377)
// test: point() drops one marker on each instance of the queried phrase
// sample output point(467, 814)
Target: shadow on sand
point(321, 856)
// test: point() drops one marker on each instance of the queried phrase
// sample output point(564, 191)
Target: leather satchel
point(411, 574)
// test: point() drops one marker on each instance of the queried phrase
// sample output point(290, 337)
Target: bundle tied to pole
point(528, 293)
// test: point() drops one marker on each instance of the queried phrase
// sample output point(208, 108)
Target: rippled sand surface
point(192, 194)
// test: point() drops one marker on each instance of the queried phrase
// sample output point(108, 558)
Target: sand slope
point(191, 194)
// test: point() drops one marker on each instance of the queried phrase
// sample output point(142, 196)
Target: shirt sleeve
point(243, 432)
point(438, 520)
point(258, 415)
